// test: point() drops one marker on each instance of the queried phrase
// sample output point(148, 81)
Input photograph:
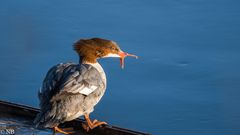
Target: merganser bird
point(72, 90)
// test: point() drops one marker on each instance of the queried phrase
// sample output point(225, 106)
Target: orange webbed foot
point(57, 129)
point(90, 124)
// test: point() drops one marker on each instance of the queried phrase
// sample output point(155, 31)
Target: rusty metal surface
point(11, 111)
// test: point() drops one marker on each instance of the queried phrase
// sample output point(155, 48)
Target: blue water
point(185, 82)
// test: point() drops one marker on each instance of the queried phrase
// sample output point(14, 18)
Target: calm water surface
point(186, 81)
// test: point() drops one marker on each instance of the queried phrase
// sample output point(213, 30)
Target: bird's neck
point(100, 70)
point(93, 62)
point(87, 59)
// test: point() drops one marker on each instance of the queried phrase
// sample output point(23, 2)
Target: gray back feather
point(62, 79)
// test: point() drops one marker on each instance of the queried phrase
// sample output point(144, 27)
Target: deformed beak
point(122, 57)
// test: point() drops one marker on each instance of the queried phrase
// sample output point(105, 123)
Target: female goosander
point(72, 90)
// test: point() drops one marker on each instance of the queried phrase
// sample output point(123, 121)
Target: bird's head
point(90, 50)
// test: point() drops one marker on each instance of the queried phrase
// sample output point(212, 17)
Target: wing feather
point(62, 81)
point(71, 78)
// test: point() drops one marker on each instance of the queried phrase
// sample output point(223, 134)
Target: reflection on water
point(19, 127)
point(186, 80)
point(22, 126)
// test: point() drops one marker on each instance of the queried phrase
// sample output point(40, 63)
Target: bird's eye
point(112, 48)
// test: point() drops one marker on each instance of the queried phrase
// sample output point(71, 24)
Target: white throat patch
point(111, 55)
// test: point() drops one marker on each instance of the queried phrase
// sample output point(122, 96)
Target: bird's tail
point(37, 120)
point(41, 121)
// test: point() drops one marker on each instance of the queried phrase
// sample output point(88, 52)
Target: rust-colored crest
point(90, 50)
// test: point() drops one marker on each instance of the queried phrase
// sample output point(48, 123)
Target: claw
point(85, 127)
point(95, 121)
point(56, 129)
point(90, 124)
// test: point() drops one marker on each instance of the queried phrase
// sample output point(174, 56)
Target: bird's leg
point(56, 129)
point(90, 124)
